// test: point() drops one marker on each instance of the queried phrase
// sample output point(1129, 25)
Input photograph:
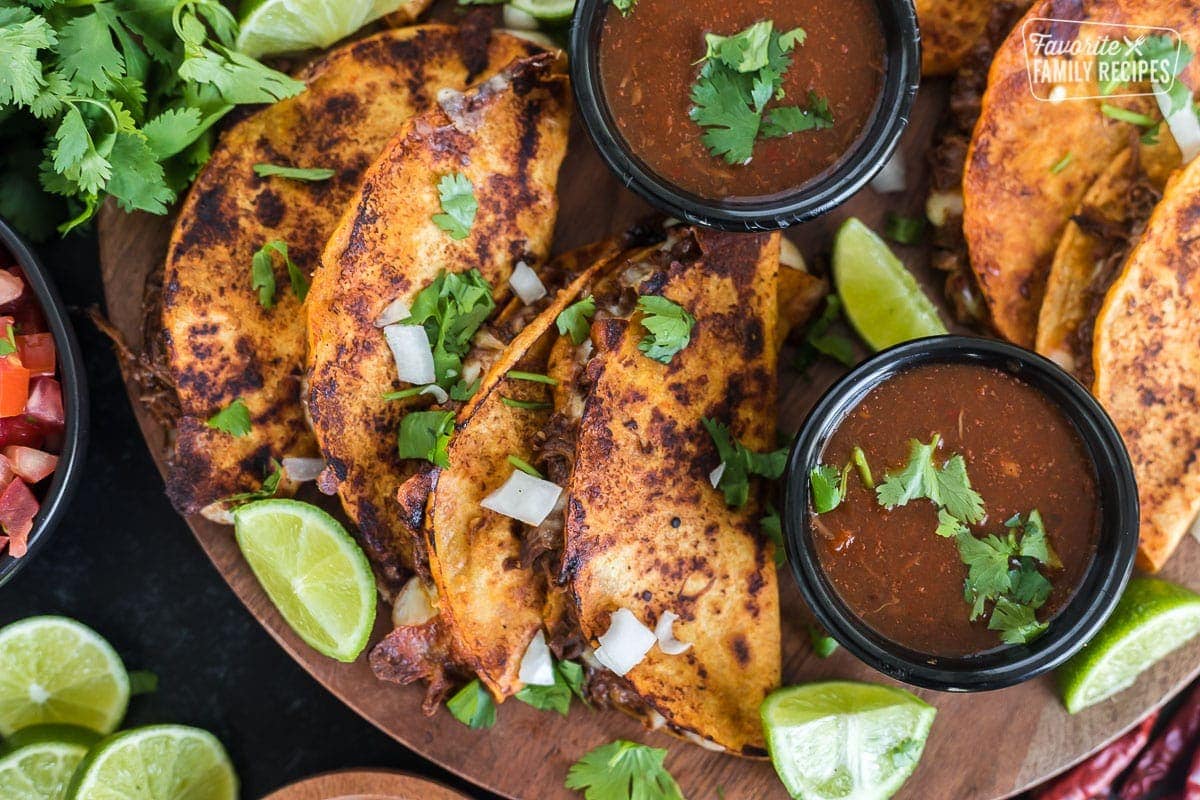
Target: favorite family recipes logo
point(1073, 60)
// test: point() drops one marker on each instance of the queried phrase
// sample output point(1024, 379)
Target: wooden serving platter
point(366, 784)
point(983, 746)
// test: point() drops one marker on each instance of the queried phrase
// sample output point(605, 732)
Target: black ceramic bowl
point(55, 497)
point(874, 147)
point(1101, 587)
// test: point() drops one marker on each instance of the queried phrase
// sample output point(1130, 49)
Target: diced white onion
point(516, 19)
point(666, 638)
point(625, 643)
point(438, 392)
point(392, 313)
point(1185, 127)
point(714, 477)
point(415, 605)
point(302, 470)
point(789, 255)
point(893, 176)
point(941, 206)
point(537, 668)
point(524, 497)
point(471, 371)
point(414, 356)
point(654, 720)
point(527, 284)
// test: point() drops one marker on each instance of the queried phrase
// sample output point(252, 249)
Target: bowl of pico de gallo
point(43, 405)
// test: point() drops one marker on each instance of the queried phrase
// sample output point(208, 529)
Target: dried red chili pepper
point(1094, 777)
point(1170, 749)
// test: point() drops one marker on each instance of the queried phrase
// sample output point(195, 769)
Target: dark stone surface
point(125, 564)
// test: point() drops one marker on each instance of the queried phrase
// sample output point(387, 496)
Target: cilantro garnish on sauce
point(946, 487)
point(426, 435)
point(668, 328)
point(741, 75)
point(451, 309)
point(233, 419)
point(623, 770)
point(457, 197)
point(624, 6)
point(740, 463)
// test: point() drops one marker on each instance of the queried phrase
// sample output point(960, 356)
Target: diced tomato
point(45, 402)
point(29, 464)
point(11, 287)
point(21, 430)
point(14, 387)
point(37, 353)
point(18, 507)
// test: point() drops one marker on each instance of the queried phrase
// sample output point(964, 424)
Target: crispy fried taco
point(466, 189)
point(228, 339)
point(1147, 366)
point(1031, 161)
point(949, 30)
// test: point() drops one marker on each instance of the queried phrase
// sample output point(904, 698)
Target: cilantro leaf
point(457, 197)
point(819, 341)
point(294, 173)
point(8, 344)
point(623, 770)
point(823, 644)
point(269, 488)
point(451, 309)
point(772, 527)
point(1017, 623)
point(262, 273)
point(22, 35)
point(740, 463)
point(426, 435)
point(745, 51)
point(668, 328)
point(987, 562)
point(954, 492)
point(234, 419)
point(575, 319)
point(918, 479)
point(1029, 586)
point(473, 706)
point(572, 674)
point(905, 230)
point(1034, 543)
point(720, 106)
point(826, 488)
point(949, 526)
point(786, 120)
point(624, 6)
point(89, 57)
point(557, 696)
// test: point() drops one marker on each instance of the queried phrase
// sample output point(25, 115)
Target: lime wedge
point(159, 762)
point(1152, 618)
point(39, 761)
point(880, 297)
point(54, 669)
point(842, 740)
point(316, 575)
point(272, 27)
point(546, 10)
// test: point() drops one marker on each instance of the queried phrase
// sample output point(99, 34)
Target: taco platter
point(1084, 263)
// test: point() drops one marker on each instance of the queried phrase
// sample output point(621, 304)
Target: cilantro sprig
point(820, 341)
point(568, 681)
point(473, 706)
point(457, 198)
point(946, 487)
point(114, 98)
point(426, 435)
point(294, 173)
point(741, 462)
point(668, 328)
point(741, 75)
point(575, 319)
point(262, 273)
point(623, 770)
point(233, 419)
point(451, 309)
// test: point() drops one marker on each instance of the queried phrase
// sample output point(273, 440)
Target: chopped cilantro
point(904, 230)
point(533, 377)
point(1033, 540)
point(426, 434)
point(233, 419)
point(823, 644)
point(828, 487)
point(949, 526)
point(818, 341)
point(1016, 623)
point(524, 466)
point(575, 319)
point(473, 706)
point(568, 680)
point(404, 394)
point(1135, 56)
point(668, 328)
point(527, 405)
point(947, 487)
point(1029, 586)
point(451, 309)
point(463, 391)
point(954, 492)
point(740, 463)
point(1061, 164)
point(987, 569)
point(262, 273)
point(624, 6)
point(457, 197)
point(864, 469)
point(1125, 115)
point(8, 343)
point(269, 488)
point(294, 173)
point(742, 73)
point(772, 528)
point(623, 770)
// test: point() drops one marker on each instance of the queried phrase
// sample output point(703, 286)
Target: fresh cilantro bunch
point(114, 98)
point(741, 75)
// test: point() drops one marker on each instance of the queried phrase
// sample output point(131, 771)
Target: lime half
point(1152, 618)
point(272, 27)
point(317, 576)
point(880, 296)
point(56, 670)
point(159, 762)
point(39, 761)
point(843, 741)
point(546, 10)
